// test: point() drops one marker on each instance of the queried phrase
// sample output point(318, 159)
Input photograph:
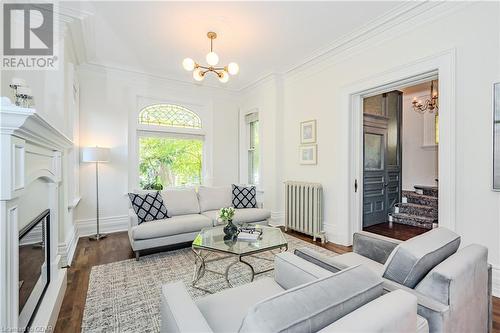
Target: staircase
point(420, 208)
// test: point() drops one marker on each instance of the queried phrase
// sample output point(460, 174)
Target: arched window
point(169, 115)
point(172, 157)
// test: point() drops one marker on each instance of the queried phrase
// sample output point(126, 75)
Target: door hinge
point(355, 185)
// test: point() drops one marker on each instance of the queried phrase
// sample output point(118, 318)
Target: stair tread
point(414, 217)
point(411, 204)
point(421, 196)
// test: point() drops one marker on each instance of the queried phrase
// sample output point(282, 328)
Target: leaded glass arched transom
point(169, 115)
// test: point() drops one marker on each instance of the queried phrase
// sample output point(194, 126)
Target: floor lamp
point(96, 155)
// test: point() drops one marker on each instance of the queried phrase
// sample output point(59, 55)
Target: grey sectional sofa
point(302, 297)
point(453, 287)
point(189, 211)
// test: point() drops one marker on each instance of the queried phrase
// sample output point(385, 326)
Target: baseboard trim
point(495, 281)
point(333, 235)
point(109, 224)
point(67, 249)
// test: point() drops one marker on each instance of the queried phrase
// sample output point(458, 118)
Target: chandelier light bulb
point(188, 64)
point(198, 74)
point(233, 68)
point(212, 58)
point(200, 70)
point(223, 77)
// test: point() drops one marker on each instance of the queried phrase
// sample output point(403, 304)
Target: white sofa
point(189, 211)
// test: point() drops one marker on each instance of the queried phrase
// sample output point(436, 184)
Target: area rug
point(124, 296)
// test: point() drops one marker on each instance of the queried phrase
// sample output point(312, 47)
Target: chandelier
point(212, 59)
point(430, 104)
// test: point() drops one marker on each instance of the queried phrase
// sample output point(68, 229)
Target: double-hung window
point(253, 142)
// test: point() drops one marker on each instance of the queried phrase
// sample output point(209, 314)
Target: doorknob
point(386, 184)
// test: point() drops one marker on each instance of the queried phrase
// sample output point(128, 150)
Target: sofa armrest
point(319, 259)
point(435, 312)
point(291, 271)
point(178, 311)
point(373, 246)
point(132, 218)
point(392, 312)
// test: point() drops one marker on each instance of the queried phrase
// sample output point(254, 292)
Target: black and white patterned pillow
point(148, 207)
point(244, 196)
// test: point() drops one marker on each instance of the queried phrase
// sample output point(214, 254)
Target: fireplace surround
point(32, 190)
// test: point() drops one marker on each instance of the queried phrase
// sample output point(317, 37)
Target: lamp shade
point(95, 154)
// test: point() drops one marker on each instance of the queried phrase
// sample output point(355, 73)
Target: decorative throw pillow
point(244, 196)
point(148, 207)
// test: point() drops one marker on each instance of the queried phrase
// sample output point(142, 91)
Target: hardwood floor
point(396, 230)
point(116, 247)
point(88, 253)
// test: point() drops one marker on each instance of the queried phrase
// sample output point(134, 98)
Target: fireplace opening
point(34, 266)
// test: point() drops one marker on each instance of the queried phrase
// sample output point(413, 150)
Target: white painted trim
point(201, 107)
point(495, 281)
point(109, 224)
point(48, 311)
point(351, 100)
point(74, 203)
point(67, 249)
point(395, 22)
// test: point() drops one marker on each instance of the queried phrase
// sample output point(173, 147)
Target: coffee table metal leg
point(226, 274)
point(199, 271)
point(240, 258)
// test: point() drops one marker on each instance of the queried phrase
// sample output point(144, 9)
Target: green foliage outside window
point(167, 162)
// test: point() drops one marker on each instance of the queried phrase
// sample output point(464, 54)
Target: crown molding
point(141, 77)
point(395, 22)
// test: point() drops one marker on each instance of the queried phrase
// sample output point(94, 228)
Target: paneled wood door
point(382, 117)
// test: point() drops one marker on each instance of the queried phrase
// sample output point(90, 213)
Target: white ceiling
point(262, 37)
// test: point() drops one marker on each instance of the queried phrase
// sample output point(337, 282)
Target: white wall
point(312, 92)
point(266, 98)
point(53, 100)
point(420, 156)
point(109, 101)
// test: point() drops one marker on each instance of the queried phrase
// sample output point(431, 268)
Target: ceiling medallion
point(212, 59)
point(430, 104)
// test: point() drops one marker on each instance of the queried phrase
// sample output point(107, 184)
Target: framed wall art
point(308, 132)
point(308, 154)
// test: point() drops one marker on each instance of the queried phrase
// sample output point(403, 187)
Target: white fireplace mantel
point(32, 153)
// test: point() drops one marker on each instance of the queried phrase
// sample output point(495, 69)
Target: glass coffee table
point(211, 241)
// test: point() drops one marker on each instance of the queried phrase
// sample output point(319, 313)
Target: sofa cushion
point(312, 306)
point(244, 196)
point(411, 260)
point(225, 310)
point(243, 215)
point(181, 201)
point(214, 198)
point(148, 206)
point(173, 226)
